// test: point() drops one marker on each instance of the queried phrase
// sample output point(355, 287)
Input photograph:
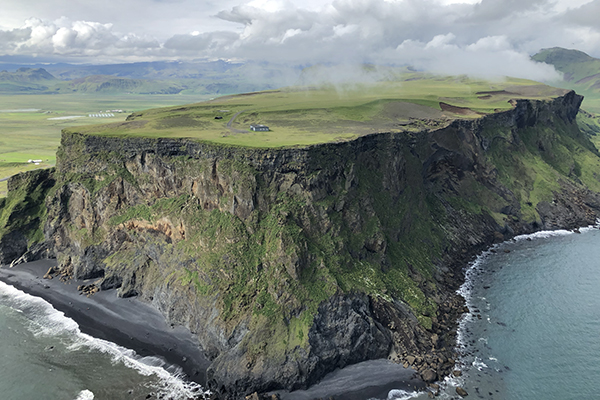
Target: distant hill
point(162, 77)
point(27, 75)
point(26, 80)
point(111, 84)
point(581, 72)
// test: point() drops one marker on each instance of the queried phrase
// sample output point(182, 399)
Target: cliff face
point(289, 263)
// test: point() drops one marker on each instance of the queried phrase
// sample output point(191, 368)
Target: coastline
point(127, 322)
point(136, 325)
point(472, 269)
point(366, 380)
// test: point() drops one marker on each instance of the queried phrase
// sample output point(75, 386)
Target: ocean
point(534, 327)
point(533, 333)
point(46, 356)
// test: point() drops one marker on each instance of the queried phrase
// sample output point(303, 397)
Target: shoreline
point(127, 322)
point(466, 288)
point(136, 325)
point(365, 380)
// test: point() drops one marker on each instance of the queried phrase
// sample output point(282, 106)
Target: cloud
point(489, 57)
point(489, 37)
point(200, 42)
point(586, 15)
point(72, 38)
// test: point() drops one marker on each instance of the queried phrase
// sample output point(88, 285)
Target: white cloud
point(471, 36)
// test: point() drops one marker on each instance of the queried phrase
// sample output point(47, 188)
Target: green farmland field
point(30, 125)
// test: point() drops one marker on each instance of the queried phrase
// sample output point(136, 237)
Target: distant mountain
point(581, 72)
point(111, 84)
point(162, 77)
point(26, 80)
point(27, 75)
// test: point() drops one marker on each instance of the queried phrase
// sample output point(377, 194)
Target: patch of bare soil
point(234, 96)
point(588, 79)
point(495, 92)
point(458, 110)
point(400, 110)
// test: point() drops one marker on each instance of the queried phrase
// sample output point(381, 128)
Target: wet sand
point(127, 322)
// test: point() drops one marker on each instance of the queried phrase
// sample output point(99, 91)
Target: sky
point(486, 37)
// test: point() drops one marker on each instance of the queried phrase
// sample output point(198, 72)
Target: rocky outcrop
point(22, 214)
point(290, 263)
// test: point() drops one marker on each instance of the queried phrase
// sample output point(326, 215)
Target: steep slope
point(289, 263)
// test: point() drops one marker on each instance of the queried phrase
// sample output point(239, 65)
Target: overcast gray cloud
point(489, 37)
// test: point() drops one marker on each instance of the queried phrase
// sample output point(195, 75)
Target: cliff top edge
point(302, 116)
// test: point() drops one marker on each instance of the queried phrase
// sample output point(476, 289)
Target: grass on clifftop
point(305, 116)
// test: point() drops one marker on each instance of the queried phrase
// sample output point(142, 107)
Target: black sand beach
point(137, 326)
point(127, 322)
point(365, 380)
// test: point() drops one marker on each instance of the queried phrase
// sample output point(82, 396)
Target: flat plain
point(30, 125)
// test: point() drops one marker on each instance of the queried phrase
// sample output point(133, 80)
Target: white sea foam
point(46, 320)
point(474, 269)
point(477, 363)
point(85, 395)
point(398, 394)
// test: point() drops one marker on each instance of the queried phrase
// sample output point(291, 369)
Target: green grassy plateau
point(305, 116)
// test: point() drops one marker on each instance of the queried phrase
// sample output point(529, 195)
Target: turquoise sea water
point(533, 333)
point(534, 327)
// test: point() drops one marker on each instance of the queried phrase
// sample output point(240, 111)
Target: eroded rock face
point(290, 263)
point(12, 246)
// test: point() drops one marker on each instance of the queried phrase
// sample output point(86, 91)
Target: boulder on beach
point(429, 375)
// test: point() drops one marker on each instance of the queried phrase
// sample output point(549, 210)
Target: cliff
point(289, 263)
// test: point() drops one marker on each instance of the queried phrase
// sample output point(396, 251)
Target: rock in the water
point(457, 373)
point(461, 392)
point(429, 375)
